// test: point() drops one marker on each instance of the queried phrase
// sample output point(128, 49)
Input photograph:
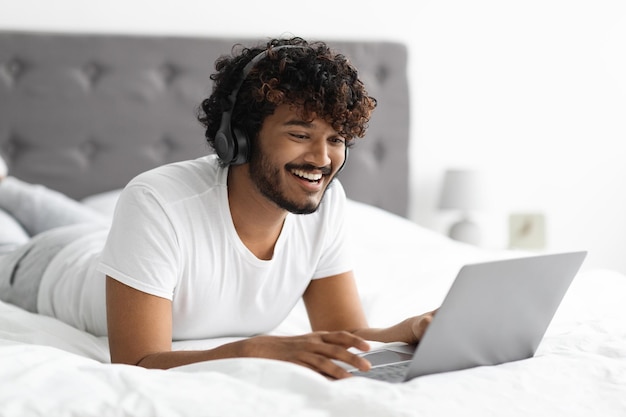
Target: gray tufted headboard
point(84, 113)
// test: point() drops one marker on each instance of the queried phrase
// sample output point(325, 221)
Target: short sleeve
point(142, 247)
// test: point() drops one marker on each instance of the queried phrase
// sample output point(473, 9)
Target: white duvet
point(50, 369)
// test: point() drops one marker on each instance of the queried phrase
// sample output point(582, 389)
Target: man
point(225, 245)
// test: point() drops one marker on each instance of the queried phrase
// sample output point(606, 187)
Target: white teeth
point(306, 175)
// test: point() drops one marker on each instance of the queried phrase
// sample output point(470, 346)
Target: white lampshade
point(462, 190)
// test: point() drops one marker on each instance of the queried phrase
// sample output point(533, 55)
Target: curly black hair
point(312, 76)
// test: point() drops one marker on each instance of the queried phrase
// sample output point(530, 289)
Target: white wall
point(532, 92)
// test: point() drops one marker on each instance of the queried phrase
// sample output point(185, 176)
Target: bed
point(84, 113)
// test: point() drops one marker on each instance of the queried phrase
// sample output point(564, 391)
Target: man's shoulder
point(205, 164)
point(182, 178)
point(205, 168)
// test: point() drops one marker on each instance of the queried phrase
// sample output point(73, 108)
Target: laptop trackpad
point(384, 354)
point(390, 354)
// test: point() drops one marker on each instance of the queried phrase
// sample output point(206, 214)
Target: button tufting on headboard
point(379, 152)
point(11, 70)
point(90, 73)
point(13, 146)
point(163, 149)
point(84, 113)
point(381, 74)
point(167, 73)
point(89, 149)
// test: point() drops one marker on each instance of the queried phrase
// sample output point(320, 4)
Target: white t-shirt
point(173, 237)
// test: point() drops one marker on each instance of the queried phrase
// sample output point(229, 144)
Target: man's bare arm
point(333, 303)
point(140, 333)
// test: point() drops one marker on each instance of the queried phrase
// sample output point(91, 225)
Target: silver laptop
point(494, 312)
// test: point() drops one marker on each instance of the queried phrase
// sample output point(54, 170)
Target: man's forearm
point(400, 332)
point(171, 359)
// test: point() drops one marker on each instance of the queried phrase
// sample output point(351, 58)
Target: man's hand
point(419, 324)
point(314, 350)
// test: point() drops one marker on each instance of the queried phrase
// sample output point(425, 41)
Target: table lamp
point(463, 191)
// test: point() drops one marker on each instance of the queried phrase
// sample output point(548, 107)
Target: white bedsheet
point(50, 369)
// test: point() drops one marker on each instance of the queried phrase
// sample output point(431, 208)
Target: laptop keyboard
point(395, 372)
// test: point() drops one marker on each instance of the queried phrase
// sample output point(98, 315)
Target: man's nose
point(318, 154)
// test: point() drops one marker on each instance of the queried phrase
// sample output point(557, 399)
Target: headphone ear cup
point(242, 147)
point(231, 143)
point(223, 147)
point(223, 144)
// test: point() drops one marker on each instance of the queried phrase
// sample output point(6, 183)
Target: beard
point(267, 179)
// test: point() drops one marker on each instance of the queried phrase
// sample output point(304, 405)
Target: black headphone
point(231, 143)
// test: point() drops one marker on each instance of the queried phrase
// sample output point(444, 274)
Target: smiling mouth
point(309, 176)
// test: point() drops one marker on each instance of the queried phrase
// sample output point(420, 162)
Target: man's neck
point(257, 220)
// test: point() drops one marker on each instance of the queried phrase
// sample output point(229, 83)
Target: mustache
point(325, 170)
